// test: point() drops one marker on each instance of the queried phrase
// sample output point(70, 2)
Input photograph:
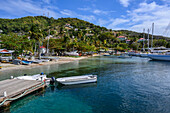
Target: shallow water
point(134, 85)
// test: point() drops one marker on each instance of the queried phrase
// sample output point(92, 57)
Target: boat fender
point(52, 81)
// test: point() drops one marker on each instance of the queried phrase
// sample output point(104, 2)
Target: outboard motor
point(52, 81)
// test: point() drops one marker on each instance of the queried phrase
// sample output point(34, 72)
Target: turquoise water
point(134, 85)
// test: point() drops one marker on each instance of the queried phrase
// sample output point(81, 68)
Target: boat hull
point(33, 77)
point(160, 57)
point(26, 62)
point(77, 80)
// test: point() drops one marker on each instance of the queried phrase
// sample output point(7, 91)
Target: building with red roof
point(122, 38)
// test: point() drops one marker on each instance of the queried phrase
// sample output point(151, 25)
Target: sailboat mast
point(48, 42)
point(148, 39)
point(152, 35)
point(143, 39)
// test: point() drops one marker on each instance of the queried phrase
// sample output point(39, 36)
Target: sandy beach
point(62, 60)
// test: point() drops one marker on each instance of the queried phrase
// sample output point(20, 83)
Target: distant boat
point(160, 53)
point(159, 57)
point(106, 55)
point(73, 53)
point(77, 79)
point(124, 56)
point(144, 54)
point(24, 62)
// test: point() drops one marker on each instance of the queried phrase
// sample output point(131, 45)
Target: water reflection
point(124, 85)
point(59, 86)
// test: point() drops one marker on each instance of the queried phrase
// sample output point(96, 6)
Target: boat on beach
point(24, 62)
point(72, 53)
point(77, 79)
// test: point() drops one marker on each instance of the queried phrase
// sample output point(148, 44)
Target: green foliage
point(82, 36)
point(161, 42)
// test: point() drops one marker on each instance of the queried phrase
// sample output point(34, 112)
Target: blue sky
point(113, 14)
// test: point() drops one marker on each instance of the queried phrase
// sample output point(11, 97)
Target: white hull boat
point(39, 77)
point(77, 79)
point(159, 57)
point(73, 53)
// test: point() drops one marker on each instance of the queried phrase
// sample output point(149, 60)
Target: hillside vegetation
point(67, 34)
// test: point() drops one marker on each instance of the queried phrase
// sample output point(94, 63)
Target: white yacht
point(163, 57)
point(160, 53)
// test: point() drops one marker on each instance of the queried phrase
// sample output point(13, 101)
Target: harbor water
point(132, 85)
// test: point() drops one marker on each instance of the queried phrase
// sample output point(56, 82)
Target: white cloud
point(102, 22)
point(125, 3)
point(146, 14)
point(67, 12)
point(96, 11)
point(89, 18)
point(84, 9)
point(116, 22)
point(75, 15)
point(18, 8)
point(101, 12)
point(47, 1)
point(166, 1)
point(143, 17)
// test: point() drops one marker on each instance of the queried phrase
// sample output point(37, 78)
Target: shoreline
point(62, 60)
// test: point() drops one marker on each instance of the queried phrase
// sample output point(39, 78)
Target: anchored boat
point(159, 57)
point(77, 79)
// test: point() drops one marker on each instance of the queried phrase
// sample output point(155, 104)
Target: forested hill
point(24, 24)
point(69, 33)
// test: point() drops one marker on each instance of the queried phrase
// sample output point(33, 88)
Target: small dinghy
point(77, 79)
point(40, 77)
point(24, 62)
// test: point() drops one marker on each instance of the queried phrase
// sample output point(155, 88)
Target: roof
point(121, 37)
point(3, 50)
point(42, 47)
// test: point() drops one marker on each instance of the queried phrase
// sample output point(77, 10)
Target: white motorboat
point(77, 79)
point(39, 77)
